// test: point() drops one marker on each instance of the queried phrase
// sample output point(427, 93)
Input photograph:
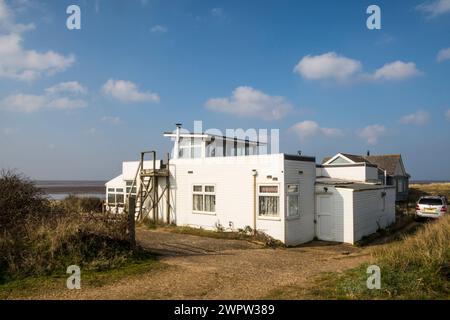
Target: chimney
point(368, 153)
point(176, 147)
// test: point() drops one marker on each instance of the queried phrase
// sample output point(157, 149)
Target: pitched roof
point(386, 162)
point(353, 157)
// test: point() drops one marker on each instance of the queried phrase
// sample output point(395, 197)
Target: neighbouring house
point(216, 182)
point(390, 169)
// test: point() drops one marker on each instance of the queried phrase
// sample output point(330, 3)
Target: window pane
point(209, 188)
point(129, 183)
point(111, 198)
point(268, 189)
point(119, 189)
point(431, 201)
point(197, 188)
point(110, 189)
point(119, 198)
point(210, 203)
point(268, 206)
point(292, 205)
point(197, 204)
point(292, 188)
point(133, 190)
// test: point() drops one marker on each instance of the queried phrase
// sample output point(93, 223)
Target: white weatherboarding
point(217, 182)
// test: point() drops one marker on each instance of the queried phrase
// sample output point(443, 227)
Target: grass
point(141, 263)
point(245, 234)
point(416, 267)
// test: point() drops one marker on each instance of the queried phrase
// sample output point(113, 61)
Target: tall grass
point(39, 237)
point(416, 267)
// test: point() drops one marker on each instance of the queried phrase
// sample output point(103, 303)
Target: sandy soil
point(206, 268)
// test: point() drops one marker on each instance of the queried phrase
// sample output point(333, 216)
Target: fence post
point(132, 221)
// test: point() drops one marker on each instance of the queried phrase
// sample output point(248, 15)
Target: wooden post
point(131, 221)
point(168, 190)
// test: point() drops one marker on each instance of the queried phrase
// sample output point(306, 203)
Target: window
point(400, 185)
point(293, 196)
point(115, 196)
point(431, 201)
point(204, 198)
point(268, 201)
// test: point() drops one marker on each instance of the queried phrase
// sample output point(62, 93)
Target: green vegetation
point(41, 238)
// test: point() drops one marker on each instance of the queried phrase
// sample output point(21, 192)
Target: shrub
point(40, 237)
point(73, 203)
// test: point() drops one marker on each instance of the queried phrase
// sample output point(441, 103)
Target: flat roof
point(349, 184)
point(209, 135)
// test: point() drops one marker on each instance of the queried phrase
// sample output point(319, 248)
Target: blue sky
point(75, 103)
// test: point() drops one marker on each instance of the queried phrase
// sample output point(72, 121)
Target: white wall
point(356, 173)
point(232, 177)
point(368, 211)
point(301, 229)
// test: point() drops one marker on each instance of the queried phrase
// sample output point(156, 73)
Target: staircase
point(147, 181)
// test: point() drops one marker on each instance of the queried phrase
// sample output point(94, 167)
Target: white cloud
point(443, 55)
point(434, 8)
point(127, 91)
point(218, 12)
point(372, 133)
point(159, 29)
point(396, 70)
point(308, 128)
point(339, 68)
point(327, 66)
point(19, 63)
point(249, 102)
point(66, 103)
point(110, 120)
point(51, 99)
point(9, 131)
point(23, 102)
point(70, 87)
point(419, 118)
point(447, 114)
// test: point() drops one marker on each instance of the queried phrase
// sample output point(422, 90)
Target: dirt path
point(206, 268)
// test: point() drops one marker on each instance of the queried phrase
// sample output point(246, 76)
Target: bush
point(40, 237)
point(81, 204)
point(20, 201)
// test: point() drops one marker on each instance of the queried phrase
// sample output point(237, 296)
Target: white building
point(219, 182)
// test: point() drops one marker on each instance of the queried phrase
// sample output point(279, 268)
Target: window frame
point(268, 194)
point(204, 193)
point(293, 194)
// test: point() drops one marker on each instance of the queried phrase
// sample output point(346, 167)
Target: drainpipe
point(176, 147)
point(254, 174)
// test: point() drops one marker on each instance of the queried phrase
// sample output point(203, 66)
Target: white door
point(325, 218)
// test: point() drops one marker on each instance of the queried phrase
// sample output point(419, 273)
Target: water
point(62, 196)
point(60, 189)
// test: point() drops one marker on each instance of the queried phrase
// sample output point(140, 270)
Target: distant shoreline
point(71, 186)
point(428, 181)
